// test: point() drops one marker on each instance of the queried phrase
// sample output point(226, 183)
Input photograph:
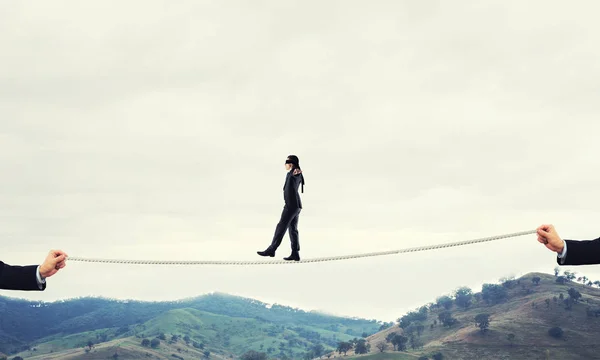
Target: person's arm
point(581, 252)
point(31, 277)
point(22, 278)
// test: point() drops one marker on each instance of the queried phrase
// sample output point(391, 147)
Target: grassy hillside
point(128, 348)
point(537, 316)
point(219, 323)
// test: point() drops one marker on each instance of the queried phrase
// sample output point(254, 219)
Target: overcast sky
point(159, 130)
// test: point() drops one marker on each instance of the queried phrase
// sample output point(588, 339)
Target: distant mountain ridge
point(27, 324)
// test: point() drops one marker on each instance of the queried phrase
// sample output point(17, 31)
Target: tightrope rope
point(322, 259)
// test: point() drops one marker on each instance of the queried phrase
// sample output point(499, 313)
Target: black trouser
point(289, 220)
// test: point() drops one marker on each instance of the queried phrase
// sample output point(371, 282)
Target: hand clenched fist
point(55, 261)
point(548, 236)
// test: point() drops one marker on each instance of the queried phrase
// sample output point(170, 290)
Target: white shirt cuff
point(38, 276)
point(563, 254)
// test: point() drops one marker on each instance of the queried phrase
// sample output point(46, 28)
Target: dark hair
point(295, 161)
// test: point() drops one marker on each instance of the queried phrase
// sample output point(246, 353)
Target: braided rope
point(322, 259)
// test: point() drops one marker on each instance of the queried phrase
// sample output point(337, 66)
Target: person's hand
point(55, 261)
point(548, 236)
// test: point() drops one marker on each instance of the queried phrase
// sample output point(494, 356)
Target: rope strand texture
point(322, 259)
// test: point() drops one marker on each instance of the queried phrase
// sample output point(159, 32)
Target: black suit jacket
point(19, 278)
point(290, 190)
point(582, 252)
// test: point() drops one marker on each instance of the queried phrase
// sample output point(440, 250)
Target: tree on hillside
point(206, 354)
point(438, 356)
point(399, 342)
point(493, 293)
point(344, 347)
point(570, 275)
point(508, 282)
point(154, 343)
point(556, 271)
point(555, 332)
point(569, 303)
point(446, 318)
point(415, 342)
point(382, 346)
point(511, 338)
point(318, 350)
point(561, 279)
point(122, 330)
point(592, 312)
point(482, 321)
point(574, 294)
point(415, 327)
point(406, 320)
point(145, 342)
point(463, 296)
point(362, 347)
point(445, 301)
point(536, 280)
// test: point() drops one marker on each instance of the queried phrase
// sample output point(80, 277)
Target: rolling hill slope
point(219, 323)
point(537, 316)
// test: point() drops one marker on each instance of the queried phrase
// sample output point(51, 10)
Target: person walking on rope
point(580, 252)
point(291, 211)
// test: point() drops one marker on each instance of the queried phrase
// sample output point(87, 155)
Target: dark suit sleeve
point(581, 252)
point(19, 278)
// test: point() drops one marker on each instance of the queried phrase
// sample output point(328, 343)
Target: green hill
point(219, 323)
point(537, 316)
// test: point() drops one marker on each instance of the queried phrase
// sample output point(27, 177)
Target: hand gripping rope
point(322, 259)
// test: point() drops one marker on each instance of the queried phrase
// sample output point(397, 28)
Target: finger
point(546, 227)
point(58, 253)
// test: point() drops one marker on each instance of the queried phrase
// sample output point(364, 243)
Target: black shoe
point(266, 253)
point(294, 256)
